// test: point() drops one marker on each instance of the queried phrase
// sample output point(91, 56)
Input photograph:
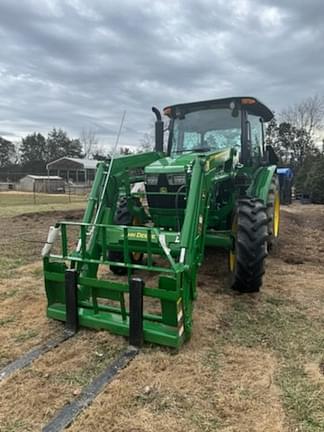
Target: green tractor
point(213, 183)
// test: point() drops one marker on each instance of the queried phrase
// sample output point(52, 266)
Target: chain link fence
point(40, 189)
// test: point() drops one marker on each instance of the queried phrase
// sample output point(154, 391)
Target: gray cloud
point(76, 64)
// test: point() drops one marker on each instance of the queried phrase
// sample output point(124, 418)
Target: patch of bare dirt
point(22, 239)
point(48, 217)
point(302, 240)
point(296, 270)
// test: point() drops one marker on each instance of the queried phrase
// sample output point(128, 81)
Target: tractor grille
point(158, 199)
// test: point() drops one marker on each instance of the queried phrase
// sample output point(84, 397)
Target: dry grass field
point(17, 203)
point(255, 363)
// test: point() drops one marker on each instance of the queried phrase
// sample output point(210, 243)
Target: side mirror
point(159, 131)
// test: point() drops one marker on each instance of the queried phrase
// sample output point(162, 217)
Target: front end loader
point(133, 269)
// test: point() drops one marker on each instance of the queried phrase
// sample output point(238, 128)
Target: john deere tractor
point(211, 183)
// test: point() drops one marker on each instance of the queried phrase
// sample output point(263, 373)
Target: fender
point(261, 182)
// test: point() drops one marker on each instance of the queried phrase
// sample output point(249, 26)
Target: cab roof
point(251, 104)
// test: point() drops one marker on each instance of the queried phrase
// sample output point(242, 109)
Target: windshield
point(206, 130)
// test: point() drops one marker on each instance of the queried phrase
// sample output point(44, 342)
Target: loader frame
point(181, 251)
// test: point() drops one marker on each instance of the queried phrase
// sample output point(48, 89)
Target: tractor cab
point(227, 133)
point(215, 125)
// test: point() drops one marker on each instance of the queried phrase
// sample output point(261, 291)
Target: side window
point(256, 136)
point(175, 138)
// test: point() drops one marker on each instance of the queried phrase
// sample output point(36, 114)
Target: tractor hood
point(178, 164)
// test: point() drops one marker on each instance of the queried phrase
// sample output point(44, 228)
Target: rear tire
point(250, 245)
point(123, 217)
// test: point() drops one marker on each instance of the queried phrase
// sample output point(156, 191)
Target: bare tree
point(17, 158)
point(307, 114)
point(101, 154)
point(147, 140)
point(88, 141)
point(125, 151)
point(147, 143)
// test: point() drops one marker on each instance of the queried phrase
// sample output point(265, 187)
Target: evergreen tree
point(60, 145)
point(33, 148)
point(314, 184)
point(302, 174)
point(7, 152)
point(291, 144)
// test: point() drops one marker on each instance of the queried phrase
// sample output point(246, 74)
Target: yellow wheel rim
point(232, 261)
point(276, 214)
point(232, 253)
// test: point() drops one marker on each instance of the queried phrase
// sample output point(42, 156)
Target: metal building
point(45, 184)
point(73, 170)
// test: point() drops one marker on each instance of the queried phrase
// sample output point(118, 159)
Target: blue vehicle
point(285, 176)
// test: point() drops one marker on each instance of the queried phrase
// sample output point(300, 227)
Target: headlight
point(176, 180)
point(152, 180)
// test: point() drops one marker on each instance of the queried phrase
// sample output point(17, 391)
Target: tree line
point(37, 147)
point(295, 135)
point(35, 151)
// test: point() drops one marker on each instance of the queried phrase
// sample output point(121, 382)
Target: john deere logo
point(140, 235)
point(163, 190)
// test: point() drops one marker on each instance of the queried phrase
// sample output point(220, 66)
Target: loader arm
point(181, 253)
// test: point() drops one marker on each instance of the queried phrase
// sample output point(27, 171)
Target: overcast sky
point(80, 63)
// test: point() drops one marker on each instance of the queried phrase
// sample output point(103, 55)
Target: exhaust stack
point(159, 131)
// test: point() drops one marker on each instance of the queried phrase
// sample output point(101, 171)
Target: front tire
point(250, 245)
point(123, 217)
